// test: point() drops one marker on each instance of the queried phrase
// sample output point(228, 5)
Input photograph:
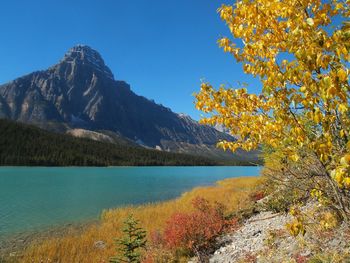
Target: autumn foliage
point(197, 231)
point(300, 52)
point(258, 195)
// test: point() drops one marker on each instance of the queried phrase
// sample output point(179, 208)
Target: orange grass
point(233, 193)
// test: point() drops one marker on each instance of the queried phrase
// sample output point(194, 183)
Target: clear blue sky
point(162, 48)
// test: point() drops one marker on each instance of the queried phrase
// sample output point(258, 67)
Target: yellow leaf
point(331, 92)
point(347, 182)
point(345, 160)
point(310, 21)
point(342, 75)
point(343, 108)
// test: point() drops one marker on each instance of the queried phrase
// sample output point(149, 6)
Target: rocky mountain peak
point(80, 92)
point(85, 55)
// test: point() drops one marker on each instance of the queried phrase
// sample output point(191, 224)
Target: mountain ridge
point(28, 145)
point(80, 92)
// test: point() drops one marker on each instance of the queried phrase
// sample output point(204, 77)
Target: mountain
point(23, 144)
point(80, 96)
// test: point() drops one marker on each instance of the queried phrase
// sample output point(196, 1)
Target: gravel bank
point(250, 238)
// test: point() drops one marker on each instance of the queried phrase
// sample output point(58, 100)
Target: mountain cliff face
point(81, 92)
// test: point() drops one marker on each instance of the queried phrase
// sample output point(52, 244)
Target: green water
point(39, 198)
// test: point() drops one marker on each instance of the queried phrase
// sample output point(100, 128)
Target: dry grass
point(233, 193)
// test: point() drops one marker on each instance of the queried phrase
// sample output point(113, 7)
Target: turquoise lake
point(39, 198)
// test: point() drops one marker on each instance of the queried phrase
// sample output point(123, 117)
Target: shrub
point(300, 258)
point(258, 195)
point(301, 54)
point(279, 203)
point(196, 232)
point(250, 258)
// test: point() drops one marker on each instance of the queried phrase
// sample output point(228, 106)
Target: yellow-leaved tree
point(299, 49)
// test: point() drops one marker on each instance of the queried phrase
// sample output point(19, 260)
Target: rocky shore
point(251, 238)
point(264, 238)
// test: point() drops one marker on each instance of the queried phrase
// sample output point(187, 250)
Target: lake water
point(38, 198)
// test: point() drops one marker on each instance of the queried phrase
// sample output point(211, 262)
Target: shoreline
point(17, 245)
point(12, 244)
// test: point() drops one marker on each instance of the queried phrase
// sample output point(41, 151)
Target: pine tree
point(130, 245)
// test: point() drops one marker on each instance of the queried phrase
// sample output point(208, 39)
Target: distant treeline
point(27, 145)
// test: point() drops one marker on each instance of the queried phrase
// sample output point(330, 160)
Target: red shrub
point(250, 258)
point(257, 196)
point(156, 238)
point(196, 231)
point(300, 259)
